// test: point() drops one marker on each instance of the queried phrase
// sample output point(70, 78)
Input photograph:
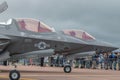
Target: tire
point(14, 75)
point(67, 69)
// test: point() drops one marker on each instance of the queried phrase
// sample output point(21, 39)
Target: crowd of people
point(100, 61)
point(97, 61)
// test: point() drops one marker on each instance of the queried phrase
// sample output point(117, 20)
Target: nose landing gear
point(67, 69)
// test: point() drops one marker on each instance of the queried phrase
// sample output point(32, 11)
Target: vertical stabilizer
point(3, 7)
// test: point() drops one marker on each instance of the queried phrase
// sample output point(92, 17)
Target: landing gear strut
point(67, 69)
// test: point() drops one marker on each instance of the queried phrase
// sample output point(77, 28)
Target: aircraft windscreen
point(79, 34)
point(33, 25)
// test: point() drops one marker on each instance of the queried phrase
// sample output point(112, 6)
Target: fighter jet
point(25, 36)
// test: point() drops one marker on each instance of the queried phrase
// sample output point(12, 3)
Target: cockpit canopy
point(33, 25)
point(78, 34)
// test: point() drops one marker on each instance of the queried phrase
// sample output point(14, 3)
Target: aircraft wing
point(78, 55)
point(99, 47)
point(3, 7)
point(40, 53)
point(102, 46)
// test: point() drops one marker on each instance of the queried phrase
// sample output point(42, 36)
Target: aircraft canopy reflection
point(34, 25)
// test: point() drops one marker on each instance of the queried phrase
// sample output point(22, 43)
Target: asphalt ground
point(53, 73)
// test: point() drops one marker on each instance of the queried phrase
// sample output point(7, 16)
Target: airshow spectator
point(101, 60)
point(112, 58)
point(118, 62)
point(115, 61)
point(94, 61)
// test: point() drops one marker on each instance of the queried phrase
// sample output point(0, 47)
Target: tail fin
point(3, 7)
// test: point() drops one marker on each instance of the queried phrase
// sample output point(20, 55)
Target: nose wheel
point(67, 69)
point(14, 75)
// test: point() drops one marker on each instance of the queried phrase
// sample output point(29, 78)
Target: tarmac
point(57, 73)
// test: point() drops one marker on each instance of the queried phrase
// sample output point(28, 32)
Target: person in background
point(118, 62)
point(106, 61)
point(94, 61)
point(115, 61)
point(42, 61)
point(112, 61)
point(101, 60)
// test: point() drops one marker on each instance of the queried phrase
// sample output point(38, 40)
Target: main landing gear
point(14, 74)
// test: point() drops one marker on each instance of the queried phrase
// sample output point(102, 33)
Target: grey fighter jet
point(27, 36)
point(22, 37)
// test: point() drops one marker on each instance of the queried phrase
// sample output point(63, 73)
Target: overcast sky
point(100, 18)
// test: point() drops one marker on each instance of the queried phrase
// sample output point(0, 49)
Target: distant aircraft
point(23, 37)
